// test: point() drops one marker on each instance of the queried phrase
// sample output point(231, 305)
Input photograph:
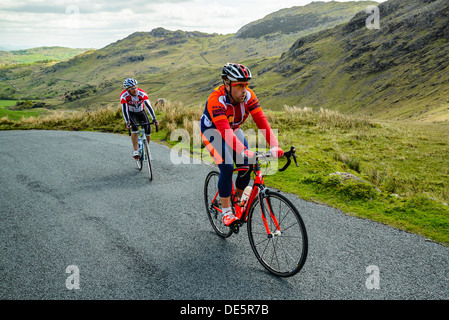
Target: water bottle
point(245, 196)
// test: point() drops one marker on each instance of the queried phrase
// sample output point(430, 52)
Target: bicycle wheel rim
point(211, 193)
point(148, 159)
point(284, 254)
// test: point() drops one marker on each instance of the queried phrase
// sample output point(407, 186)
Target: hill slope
point(171, 64)
point(276, 32)
point(399, 71)
point(302, 20)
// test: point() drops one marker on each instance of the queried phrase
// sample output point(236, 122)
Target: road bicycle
point(276, 231)
point(144, 149)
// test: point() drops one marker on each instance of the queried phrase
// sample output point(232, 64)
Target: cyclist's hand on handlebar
point(276, 152)
point(248, 154)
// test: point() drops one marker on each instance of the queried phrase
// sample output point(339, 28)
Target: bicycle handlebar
point(142, 124)
point(289, 154)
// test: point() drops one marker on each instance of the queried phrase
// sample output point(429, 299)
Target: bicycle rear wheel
point(282, 251)
point(148, 158)
point(212, 201)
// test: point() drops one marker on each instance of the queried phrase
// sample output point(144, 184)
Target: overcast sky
point(95, 24)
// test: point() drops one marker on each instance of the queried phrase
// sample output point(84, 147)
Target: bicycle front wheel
point(213, 205)
point(277, 234)
point(148, 158)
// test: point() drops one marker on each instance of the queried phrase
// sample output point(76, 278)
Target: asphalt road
point(76, 211)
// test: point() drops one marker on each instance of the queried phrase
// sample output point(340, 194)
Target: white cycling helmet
point(130, 82)
point(236, 72)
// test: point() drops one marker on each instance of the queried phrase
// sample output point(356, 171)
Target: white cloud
point(84, 23)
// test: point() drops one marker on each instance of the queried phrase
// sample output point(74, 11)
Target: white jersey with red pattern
point(135, 103)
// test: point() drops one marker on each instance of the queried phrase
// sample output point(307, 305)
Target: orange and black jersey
point(219, 113)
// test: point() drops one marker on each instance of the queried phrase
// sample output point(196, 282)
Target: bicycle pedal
point(235, 228)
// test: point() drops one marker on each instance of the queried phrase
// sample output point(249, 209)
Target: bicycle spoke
point(263, 240)
point(148, 160)
point(275, 254)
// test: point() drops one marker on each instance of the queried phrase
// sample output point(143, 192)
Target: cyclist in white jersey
point(134, 102)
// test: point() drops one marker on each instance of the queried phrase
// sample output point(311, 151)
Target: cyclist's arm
point(262, 123)
point(260, 119)
point(228, 135)
point(125, 112)
point(150, 109)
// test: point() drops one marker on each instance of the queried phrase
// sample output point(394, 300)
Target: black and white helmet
point(236, 72)
point(130, 82)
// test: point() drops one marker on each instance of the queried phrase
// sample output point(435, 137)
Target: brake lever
point(289, 155)
point(293, 150)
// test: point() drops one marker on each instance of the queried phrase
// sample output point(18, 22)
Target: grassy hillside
point(160, 60)
point(302, 20)
point(400, 71)
point(397, 72)
point(169, 64)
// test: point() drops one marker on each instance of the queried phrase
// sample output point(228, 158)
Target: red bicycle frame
point(257, 190)
point(258, 185)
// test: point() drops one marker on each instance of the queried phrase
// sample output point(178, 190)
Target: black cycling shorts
point(137, 118)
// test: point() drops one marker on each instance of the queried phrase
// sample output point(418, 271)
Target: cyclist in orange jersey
point(227, 107)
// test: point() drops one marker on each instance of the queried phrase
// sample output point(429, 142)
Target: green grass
point(402, 166)
point(18, 114)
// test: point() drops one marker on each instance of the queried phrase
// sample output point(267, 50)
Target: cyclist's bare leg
point(225, 202)
point(134, 140)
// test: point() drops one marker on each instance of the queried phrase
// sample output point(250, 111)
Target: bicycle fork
point(267, 212)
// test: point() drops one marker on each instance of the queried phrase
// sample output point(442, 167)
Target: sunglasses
point(132, 88)
point(240, 85)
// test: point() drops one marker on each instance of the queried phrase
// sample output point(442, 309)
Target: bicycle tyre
point(283, 255)
point(210, 192)
point(148, 159)
point(139, 161)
